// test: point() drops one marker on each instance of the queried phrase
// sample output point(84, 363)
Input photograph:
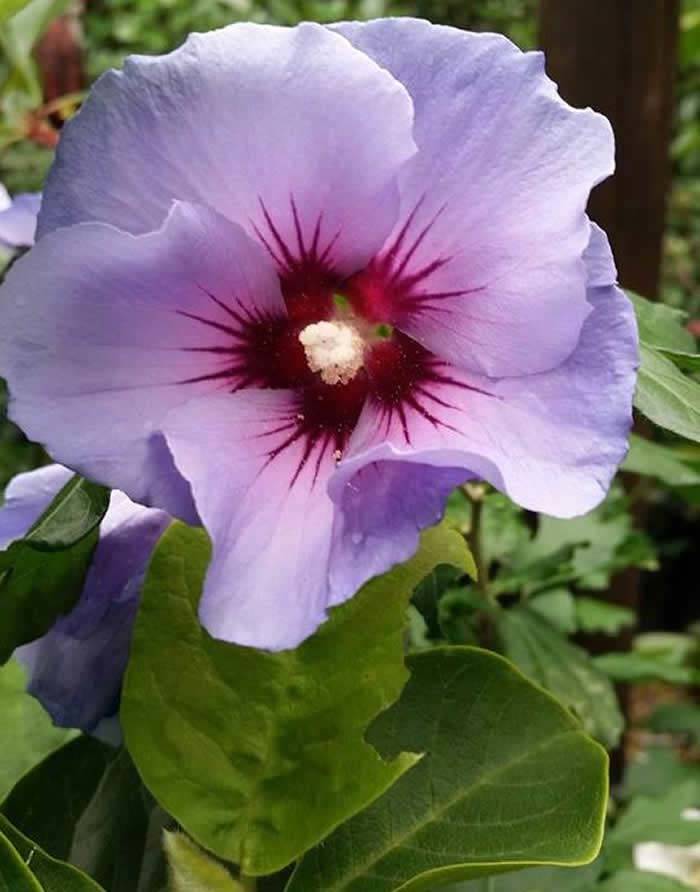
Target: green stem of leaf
point(475, 494)
point(248, 884)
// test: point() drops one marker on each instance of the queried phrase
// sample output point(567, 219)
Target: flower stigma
point(333, 349)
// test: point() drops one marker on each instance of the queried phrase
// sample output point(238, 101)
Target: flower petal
point(486, 259)
point(76, 669)
point(380, 514)
point(266, 508)
point(552, 441)
point(252, 121)
point(600, 263)
point(27, 496)
point(18, 220)
point(102, 333)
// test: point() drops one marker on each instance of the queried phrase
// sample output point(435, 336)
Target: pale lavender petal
point(26, 498)
point(252, 121)
point(102, 333)
point(266, 509)
point(600, 263)
point(18, 220)
point(76, 669)
point(485, 262)
point(380, 514)
point(552, 441)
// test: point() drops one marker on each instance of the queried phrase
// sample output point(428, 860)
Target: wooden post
point(619, 56)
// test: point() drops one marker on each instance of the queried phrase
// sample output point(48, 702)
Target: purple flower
point(299, 283)
point(18, 219)
point(76, 669)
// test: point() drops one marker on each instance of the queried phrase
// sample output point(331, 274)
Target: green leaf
point(33, 736)
point(110, 838)
point(654, 770)
point(663, 656)
point(677, 718)
point(558, 607)
point(662, 462)
point(192, 870)
point(631, 668)
point(74, 513)
point(508, 780)
point(238, 743)
point(688, 362)
point(9, 8)
point(562, 668)
point(593, 615)
point(638, 881)
point(659, 818)
point(52, 875)
point(666, 396)
point(540, 879)
point(21, 26)
point(42, 575)
point(661, 326)
point(585, 551)
point(14, 875)
point(28, 20)
point(60, 785)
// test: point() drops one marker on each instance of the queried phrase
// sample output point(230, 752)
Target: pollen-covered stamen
point(333, 349)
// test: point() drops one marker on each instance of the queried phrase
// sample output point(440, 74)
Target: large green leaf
point(666, 396)
point(14, 874)
point(111, 838)
point(33, 736)
point(260, 755)
point(41, 576)
point(51, 875)
point(545, 656)
point(508, 780)
point(662, 462)
point(48, 801)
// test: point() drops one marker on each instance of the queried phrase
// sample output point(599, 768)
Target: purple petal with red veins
point(484, 267)
point(102, 333)
point(551, 441)
point(260, 489)
point(290, 132)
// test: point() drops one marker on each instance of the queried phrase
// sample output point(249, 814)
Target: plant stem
point(475, 494)
point(248, 884)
